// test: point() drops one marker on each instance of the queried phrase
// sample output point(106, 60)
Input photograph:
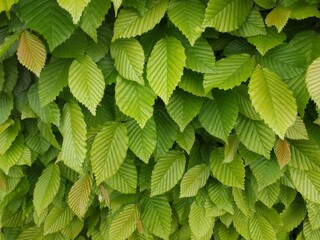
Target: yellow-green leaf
point(74, 7)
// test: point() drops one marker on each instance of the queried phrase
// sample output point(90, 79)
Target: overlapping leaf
point(74, 7)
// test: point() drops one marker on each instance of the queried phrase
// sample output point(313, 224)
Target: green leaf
point(188, 17)
point(157, 216)
point(135, 100)
point(33, 232)
point(229, 72)
point(124, 223)
point(109, 150)
point(165, 67)
point(125, 180)
point(228, 15)
point(8, 42)
point(78, 197)
point(264, 43)
point(273, 100)
point(194, 179)
point(116, 5)
point(73, 151)
point(131, 23)
point(57, 219)
point(218, 116)
point(221, 195)
point(192, 82)
point(93, 16)
point(167, 172)
point(6, 5)
point(293, 215)
point(86, 82)
point(47, 134)
point(53, 79)
point(8, 133)
point(313, 214)
point(142, 141)
point(183, 107)
point(260, 228)
point(283, 152)
point(255, 135)
point(308, 232)
point(312, 76)
point(297, 130)
point(31, 52)
point(231, 174)
point(278, 17)
point(128, 58)
point(228, 233)
point(46, 17)
point(186, 138)
point(6, 106)
point(74, 7)
point(46, 187)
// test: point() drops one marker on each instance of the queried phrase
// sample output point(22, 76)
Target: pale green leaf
point(186, 138)
point(86, 82)
point(130, 23)
point(31, 52)
point(231, 148)
point(6, 106)
point(79, 194)
point(278, 17)
point(128, 58)
point(53, 79)
point(221, 195)
point(228, 233)
point(218, 116)
point(124, 223)
point(229, 72)
point(109, 150)
point(46, 187)
point(6, 5)
point(8, 133)
point(32, 232)
point(46, 17)
point(269, 195)
point(73, 151)
point(188, 16)
point(312, 77)
point(231, 174)
point(313, 214)
point(58, 218)
point(227, 15)
point(273, 100)
point(167, 172)
point(116, 5)
point(293, 215)
point(8, 42)
point(165, 67)
point(142, 141)
point(241, 223)
point(135, 100)
point(297, 130)
point(308, 232)
point(157, 216)
point(302, 10)
point(74, 7)
point(183, 107)
point(194, 179)
point(260, 228)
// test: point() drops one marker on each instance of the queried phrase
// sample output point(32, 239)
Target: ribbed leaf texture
point(282, 151)
point(312, 83)
point(75, 8)
point(6, 106)
point(278, 17)
point(7, 4)
point(260, 228)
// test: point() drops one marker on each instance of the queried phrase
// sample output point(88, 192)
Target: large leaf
point(46, 17)
point(188, 17)
point(124, 223)
point(46, 187)
point(86, 82)
point(53, 79)
point(157, 216)
point(232, 173)
point(165, 67)
point(31, 52)
point(109, 150)
point(227, 15)
point(312, 77)
point(192, 82)
point(167, 172)
point(6, 106)
point(183, 107)
point(278, 17)
point(260, 228)
point(218, 116)
point(78, 197)
point(130, 22)
point(194, 179)
point(221, 195)
point(293, 215)
point(8, 133)
point(229, 72)
point(73, 151)
point(128, 58)
point(273, 100)
point(74, 7)
point(186, 138)
point(135, 100)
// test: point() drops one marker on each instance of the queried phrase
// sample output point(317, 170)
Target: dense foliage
point(158, 119)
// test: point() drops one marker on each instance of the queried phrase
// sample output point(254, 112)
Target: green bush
point(158, 119)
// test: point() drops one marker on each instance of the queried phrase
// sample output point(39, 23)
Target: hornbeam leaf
point(116, 6)
point(53, 79)
point(46, 187)
point(261, 228)
point(31, 52)
point(135, 100)
point(6, 105)
point(73, 151)
point(124, 223)
point(227, 15)
point(308, 232)
point(312, 78)
point(228, 233)
point(86, 82)
point(221, 195)
point(8, 42)
point(57, 219)
point(74, 7)
point(165, 67)
point(167, 172)
point(293, 215)
point(188, 16)
point(229, 72)
point(278, 17)
point(78, 197)
point(128, 58)
point(194, 179)
point(273, 100)
point(47, 18)
point(297, 130)
point(109, 150)
point(283, 152)
point(8, 133)
point(6, 5)
point(186, 138)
